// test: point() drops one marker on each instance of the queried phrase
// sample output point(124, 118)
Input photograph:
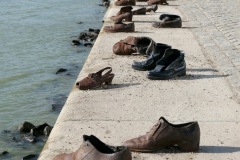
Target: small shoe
point(127, 17)
point(94, 149)
point(164, 134)
point(124, 10)
point(120, 27)
point(152, 2)
point(151, 61)
point(126, 46)
point(125, 2)
point(95, 80)
point(140, 11)
point(152, 8)
point(168, 21)
point(171, 65)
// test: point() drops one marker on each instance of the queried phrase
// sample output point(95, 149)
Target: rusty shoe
point(125, 2)
point(120, 27)
point(95, 80)
point(164, 134)
point(152, 2)
point(94, 149)
point(125, 13)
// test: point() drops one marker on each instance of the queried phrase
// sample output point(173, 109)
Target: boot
point(125, 16)
point(150, 63)
point(152, 2)
point(172, 64)
point(120, 27)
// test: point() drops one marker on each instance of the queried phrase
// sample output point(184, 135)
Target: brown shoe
point(94, 149)
point(152, 2)
point(164, 134)
point(127, 17)
point(94, 80)
point(168, 21)
point(120, 27)
point(152, 8)
point(125, 2)
point(126, 46)
point(124, 10)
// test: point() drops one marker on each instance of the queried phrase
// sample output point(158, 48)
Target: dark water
point(35, 41)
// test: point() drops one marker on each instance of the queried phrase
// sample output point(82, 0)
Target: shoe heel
point(189, 146)
point(183, 73)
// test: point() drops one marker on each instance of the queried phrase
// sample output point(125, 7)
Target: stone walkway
point(209, 93)
point(215, 24)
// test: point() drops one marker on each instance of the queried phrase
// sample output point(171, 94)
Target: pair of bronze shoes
point(131, 44)
point(125, 14)
point(163, 134)
point(96, 80)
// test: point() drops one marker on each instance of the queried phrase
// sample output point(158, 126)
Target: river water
point(35, 41)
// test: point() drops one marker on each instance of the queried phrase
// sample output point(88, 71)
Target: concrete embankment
point(133, 103)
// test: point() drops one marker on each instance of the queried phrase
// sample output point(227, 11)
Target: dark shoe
point(168, 21)
point(126, 46)
point(152, 2)
point(127, 17)
point(151, 61)
point(152, 8)
point(94, 149)
point(120, 27)
point(94, 80)
point(125, 2)
point(171, 65)
point(141, 11)
point(164, 134)
point(145, 45)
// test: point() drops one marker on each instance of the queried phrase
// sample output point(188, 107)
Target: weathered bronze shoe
point(152, 2)
point(95, 80)
point(125, 2)
point(94, 149)
point(140, 11)
point(168, 21)
point(127, 17)
point(164, 134)
point(126, 46)
point(124, 10)
point(120, 27)
point(152, 8)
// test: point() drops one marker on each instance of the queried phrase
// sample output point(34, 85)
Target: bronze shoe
point(152, 2)
point(164, 134)
point(125, 2)
point(120, 27)
point(140, 11)
point(152, 8)
point(94, 149)
point(124, 10)
point(126, 46)
point(124, 16)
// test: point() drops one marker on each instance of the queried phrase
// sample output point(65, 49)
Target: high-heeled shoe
point(95, 80)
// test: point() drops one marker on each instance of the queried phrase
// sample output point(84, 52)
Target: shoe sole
point(139, 69)
point(180, 74)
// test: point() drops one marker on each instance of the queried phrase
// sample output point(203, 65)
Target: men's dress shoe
point(120, 27)
point(152, 2)
point(164, 134)
point(151, 61)
point(126, 46)
point(172, 64)
point(94, 149)
point(125, 2)
point(124, 16)
point(168, 21)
